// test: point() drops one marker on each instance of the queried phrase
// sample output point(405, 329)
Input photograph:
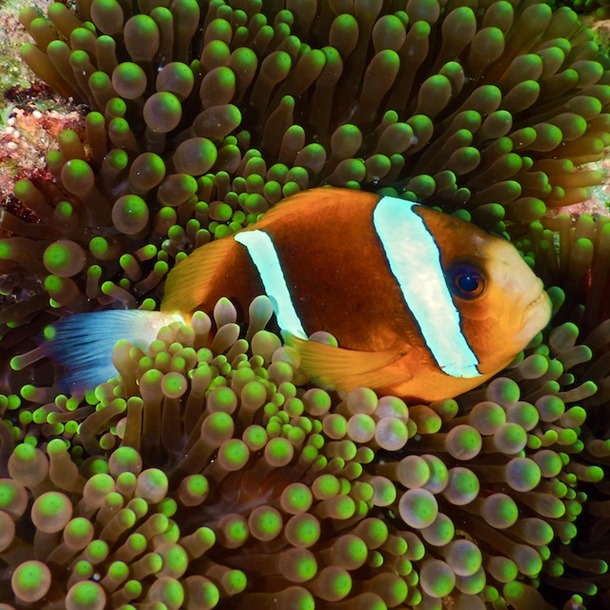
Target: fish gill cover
point(210, 472)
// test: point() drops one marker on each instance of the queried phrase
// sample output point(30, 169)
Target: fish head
point(502, 303)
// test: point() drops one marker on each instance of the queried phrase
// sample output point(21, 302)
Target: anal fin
point(344, 369)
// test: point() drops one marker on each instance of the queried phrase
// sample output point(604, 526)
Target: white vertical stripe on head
point(414, 260)
point(265, 258)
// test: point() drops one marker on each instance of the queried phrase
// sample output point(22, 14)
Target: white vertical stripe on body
point(265, 258)
point(414, 260)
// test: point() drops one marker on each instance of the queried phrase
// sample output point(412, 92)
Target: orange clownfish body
point(334, 260)
point(423, 305)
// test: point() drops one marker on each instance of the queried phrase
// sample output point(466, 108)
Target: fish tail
point(82, 344)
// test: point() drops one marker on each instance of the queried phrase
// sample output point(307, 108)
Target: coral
point(15, 74)
point(31, 114)
point(29, 134)
point(208, 473)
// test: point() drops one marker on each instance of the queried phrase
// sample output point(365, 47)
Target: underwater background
point(211, 473)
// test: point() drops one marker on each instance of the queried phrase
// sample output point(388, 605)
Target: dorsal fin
point(188, 281)
point(283, 207)
point(295, 206)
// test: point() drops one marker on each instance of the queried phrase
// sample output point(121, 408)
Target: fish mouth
point(536, 312)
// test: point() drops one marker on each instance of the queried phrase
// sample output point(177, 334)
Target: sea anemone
point(210, 471)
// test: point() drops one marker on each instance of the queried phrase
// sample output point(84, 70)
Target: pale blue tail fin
point(82, 344)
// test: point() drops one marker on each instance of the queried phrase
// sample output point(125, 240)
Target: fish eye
point(466, 282)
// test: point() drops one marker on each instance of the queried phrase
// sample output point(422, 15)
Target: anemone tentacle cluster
point(585, 6)
point(211, 472)
point(208, 474)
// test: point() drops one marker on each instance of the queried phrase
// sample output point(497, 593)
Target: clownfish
point(423, 305)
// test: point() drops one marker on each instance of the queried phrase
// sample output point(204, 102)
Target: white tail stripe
point(265, 258)
point(414, 260)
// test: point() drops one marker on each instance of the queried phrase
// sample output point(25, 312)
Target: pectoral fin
point(345, 369)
